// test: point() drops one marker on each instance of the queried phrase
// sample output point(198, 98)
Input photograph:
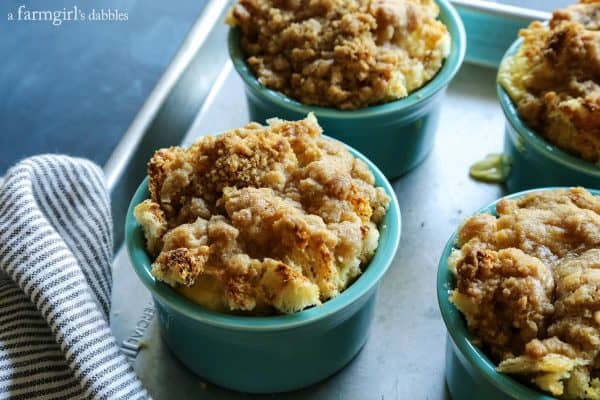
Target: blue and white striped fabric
point(55, 285)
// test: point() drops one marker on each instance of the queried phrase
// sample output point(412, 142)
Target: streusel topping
point(261, 219)
point(554, 79)
point(342, 53)
point(528, 284)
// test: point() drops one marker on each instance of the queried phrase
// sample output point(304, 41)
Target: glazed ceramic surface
point(534, 161)
point(492, 28)
point(470, 374)
point(396, 136)
point(268, 354)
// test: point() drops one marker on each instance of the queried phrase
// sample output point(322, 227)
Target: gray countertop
point(74, 88)
point(404, 356)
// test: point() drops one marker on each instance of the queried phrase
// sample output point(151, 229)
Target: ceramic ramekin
point(470, 374)
point(396, 136)
point(534, 161)
point(268, 354)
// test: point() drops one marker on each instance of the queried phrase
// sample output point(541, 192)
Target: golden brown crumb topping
point(554, 78)
point(528, 284)
point(342, 53)
point(261, 218)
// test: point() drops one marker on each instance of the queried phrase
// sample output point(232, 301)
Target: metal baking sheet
point(183, 89)
point(200, 94)
point(404, 357)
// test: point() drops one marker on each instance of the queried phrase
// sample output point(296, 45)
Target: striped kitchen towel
point(55, 285)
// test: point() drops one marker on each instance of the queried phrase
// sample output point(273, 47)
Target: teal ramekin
point(268, 354)
point(534, 161)
point(470, 374)
point(396, 136)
